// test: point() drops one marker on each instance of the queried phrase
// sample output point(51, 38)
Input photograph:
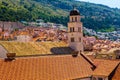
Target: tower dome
point(74, 12)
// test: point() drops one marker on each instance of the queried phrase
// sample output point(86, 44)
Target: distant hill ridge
point(96, 16)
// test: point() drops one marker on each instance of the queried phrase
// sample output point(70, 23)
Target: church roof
point(64, 67)
point(35, 48)
point(46, 68)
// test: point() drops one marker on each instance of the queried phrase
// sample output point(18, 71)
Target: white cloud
point(110, 3)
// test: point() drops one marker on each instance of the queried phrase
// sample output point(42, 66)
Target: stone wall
point(3, 52)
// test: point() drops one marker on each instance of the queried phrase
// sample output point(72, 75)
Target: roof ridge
point(114, 70)
point(89, 61)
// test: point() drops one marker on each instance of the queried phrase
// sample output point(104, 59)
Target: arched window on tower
point(72, 29)
point(72, 19)
point(76, 19)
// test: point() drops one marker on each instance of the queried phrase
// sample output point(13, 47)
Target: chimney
point(10, 56)
point(75, 53)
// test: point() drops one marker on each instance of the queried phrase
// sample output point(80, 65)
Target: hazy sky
point(110, 3)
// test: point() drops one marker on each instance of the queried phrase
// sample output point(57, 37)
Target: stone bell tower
point(75, 31)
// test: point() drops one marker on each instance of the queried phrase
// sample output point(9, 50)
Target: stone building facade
point(75, 31)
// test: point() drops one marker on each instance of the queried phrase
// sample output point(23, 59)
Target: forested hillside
point(95, 16)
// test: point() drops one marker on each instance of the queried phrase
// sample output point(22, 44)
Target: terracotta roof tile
point(45, 68)
point(104, 67)
point(116, 75)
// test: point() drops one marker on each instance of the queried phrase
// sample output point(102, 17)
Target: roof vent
point(74, 53)
point(10, 57)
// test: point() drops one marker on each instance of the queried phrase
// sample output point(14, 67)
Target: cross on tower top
point(74, 7)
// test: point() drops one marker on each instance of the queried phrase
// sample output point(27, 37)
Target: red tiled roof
point(45, 68)
point(116, 75)
point(104, 67)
